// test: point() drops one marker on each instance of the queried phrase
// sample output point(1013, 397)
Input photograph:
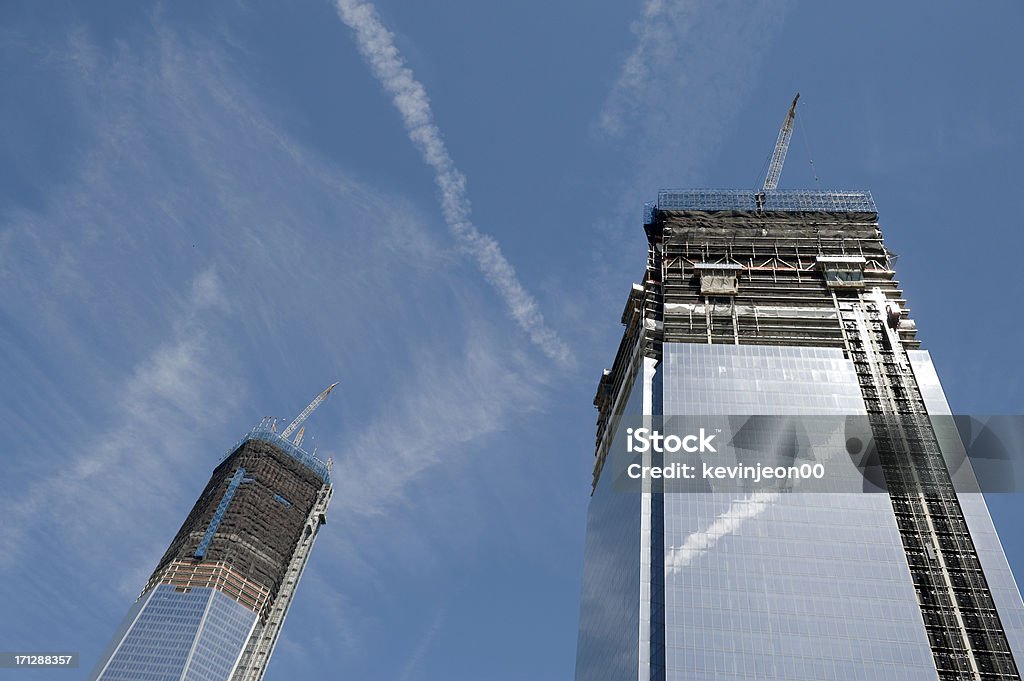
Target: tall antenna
point(304, 414)
point(771, 181)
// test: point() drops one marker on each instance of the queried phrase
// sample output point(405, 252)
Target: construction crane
point(771, 180)
point(304, 414)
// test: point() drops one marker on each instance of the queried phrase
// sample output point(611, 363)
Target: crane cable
point(807, 147)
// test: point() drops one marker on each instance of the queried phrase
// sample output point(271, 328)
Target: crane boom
point(304, 414)
point(771, 181)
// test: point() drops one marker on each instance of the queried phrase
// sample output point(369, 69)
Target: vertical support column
point(644, 640)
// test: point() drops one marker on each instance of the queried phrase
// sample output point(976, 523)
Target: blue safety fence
point(218, 515)
point(264, 433)
point(795, 201)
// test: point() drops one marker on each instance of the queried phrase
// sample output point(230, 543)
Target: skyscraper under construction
point(786, 303)
point(215, 604)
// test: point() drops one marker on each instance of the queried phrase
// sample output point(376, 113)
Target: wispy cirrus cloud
point(679, 89)
point(412, 668)
point(450, 400)
point(179, 385)
point(200, 267)
point(377, 46)
point(692, 66)
point(654, 50)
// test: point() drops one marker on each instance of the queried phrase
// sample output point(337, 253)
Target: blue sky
point(208, 213)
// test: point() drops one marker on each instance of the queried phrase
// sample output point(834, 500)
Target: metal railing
point(262, 431)
point(796, 201)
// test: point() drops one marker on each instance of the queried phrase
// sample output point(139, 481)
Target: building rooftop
point(789, 201)
point(264, 431)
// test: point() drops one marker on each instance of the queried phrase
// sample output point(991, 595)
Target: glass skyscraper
point(215, 605)
point(785, 303)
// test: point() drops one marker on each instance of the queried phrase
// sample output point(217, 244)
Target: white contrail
point(377, 45)
point(698, 543)
point(699, 59)
point(653, 39)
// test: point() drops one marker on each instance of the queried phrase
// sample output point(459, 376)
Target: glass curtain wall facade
point(215, 605)
point(785, 304)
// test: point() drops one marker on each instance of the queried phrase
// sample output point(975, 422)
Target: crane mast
point(771, 180)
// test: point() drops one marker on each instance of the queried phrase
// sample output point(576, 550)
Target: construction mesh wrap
point(257, 531)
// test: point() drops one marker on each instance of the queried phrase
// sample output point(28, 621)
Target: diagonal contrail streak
point(377, 46)
point(699, 543)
